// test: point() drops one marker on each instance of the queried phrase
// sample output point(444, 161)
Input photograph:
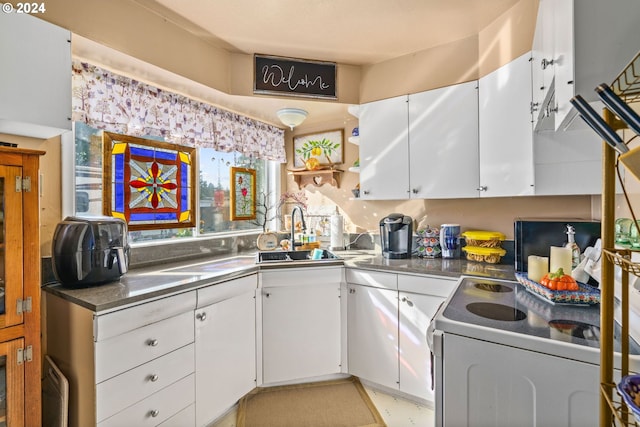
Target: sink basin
point(291, 256)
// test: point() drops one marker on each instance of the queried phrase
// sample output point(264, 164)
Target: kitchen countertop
point(154, 282)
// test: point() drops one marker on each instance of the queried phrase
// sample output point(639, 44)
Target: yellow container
point(484, 254)
point(484, 239)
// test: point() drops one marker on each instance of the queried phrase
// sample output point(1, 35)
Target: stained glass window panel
point(151, 182)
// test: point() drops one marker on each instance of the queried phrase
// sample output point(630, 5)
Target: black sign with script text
point(286, 76)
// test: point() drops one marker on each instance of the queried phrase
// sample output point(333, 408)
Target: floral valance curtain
point(115, 103)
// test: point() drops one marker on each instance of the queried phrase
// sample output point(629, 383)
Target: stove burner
point(572, 328)
point(492, 287)
point(496, 311)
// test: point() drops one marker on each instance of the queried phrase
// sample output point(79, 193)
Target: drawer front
point(427, 285)
point(225, 290)
point(157, 408)
point(301, 276)
point(126, 351)
point(128, 319)
point(375, 279)
point(184, 418)
point(114, 395)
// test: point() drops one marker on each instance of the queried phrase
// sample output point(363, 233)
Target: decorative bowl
point(629, 390)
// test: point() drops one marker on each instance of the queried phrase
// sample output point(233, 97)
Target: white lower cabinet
point(489, 384)
point(419, 299)
point(373, 334)
point(301, 324)
point(225, 346)
point(388, 316)
point(129, 367)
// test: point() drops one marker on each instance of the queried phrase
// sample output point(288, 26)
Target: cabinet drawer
point(225, 290)
point(301, 276)
point(114, 395)
point(126, 351)
point(157, 408)
point(118, 322)
point(427, 285)
point(184, 418)
point(375, 279)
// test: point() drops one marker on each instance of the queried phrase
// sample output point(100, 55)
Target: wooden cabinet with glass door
point(20, 361)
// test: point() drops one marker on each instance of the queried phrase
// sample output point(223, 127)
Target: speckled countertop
point(143, 284)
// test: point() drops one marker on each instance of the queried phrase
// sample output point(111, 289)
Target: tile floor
point(396, 412)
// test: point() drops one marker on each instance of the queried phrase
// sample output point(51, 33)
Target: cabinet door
point(372, 331)
point(36, 76)
point(301, 331)
point(506, 140)
point(443, 142)
point(11, 280)
point(225, 355)
point(491, 384)
point(11, 384)
point(416, 312)
point(384, 149)
point(565, 60)
point(541, 70)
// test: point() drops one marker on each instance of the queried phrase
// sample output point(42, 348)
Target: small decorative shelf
point(355, 169)
point(317, 177)
point(354, 110)
point(354, 140)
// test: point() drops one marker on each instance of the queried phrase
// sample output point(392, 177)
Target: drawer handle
point(154, 413)
point(153, 378)
point(201, 316)
point(152, 343)
point(408, 301)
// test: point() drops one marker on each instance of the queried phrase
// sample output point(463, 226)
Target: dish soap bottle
point(571, 243)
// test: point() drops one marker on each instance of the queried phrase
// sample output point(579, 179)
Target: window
point(213, 183)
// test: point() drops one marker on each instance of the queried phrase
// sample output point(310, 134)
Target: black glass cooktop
point(510, 307)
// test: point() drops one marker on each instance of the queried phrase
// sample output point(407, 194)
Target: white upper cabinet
point(421, 146)
point(593, 41)
point(35, 77)
point(384, 149)
point(443, 142)
point(506, 137)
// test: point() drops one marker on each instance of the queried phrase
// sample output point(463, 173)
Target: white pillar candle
point(560, 258)
point(537, 266)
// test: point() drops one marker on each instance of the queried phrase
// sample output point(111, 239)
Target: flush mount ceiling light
point(292, 117)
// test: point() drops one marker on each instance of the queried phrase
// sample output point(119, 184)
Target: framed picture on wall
point(326, 147)
point(243, 194)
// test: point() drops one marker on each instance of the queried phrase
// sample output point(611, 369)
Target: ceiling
point(355, 32)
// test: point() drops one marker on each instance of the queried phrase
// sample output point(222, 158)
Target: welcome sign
point(274, 75)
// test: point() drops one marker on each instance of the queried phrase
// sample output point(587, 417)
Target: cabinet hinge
point(25, 355)
point(23, 183)
point(23, 306)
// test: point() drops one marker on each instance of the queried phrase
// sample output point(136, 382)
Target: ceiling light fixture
point(292, 117)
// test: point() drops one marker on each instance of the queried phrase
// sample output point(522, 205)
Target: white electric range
point(506, 357)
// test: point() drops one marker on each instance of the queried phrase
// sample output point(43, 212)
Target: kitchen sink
point(292, 256)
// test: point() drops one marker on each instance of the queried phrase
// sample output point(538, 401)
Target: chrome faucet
point(293, 226)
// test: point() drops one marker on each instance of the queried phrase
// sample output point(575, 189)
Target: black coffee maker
point(396, 236)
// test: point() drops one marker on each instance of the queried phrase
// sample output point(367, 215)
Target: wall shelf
point(354, 140)
point(317, 178)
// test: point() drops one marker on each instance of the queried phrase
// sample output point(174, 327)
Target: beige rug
point(337, 403)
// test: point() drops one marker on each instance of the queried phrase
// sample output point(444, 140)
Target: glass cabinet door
point(11, 284)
